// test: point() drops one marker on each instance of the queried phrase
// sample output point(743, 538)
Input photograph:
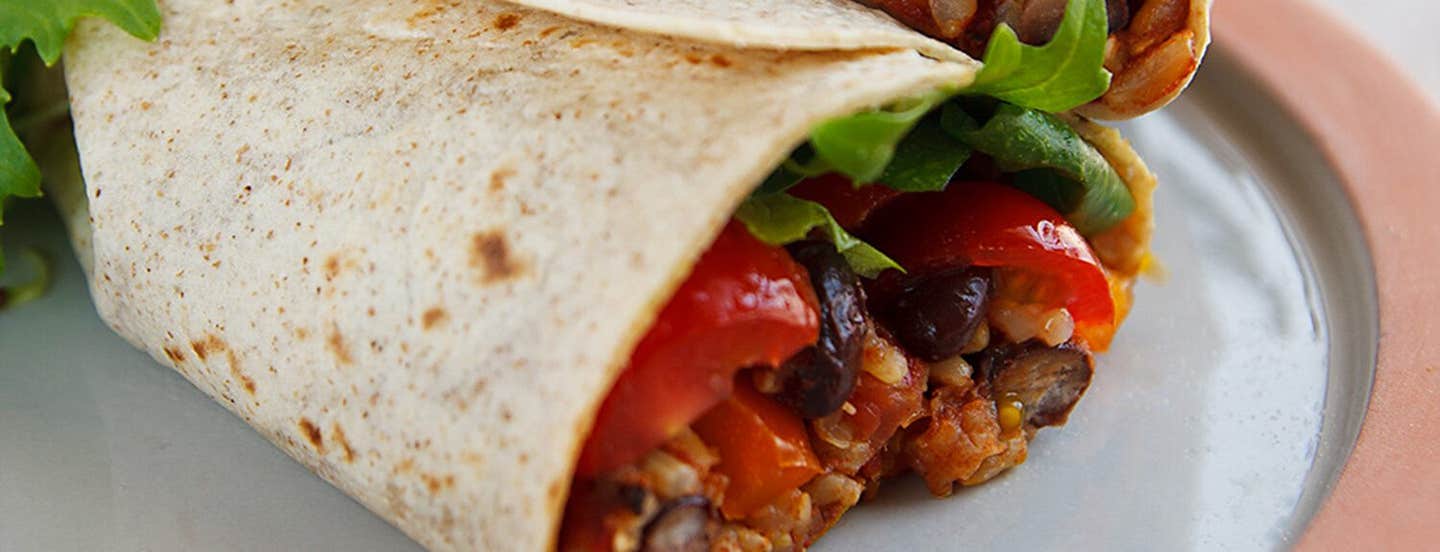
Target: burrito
point(583, 276)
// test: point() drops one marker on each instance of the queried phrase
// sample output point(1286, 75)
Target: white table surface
point(1403, 29)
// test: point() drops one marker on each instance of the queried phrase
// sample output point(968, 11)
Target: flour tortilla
point(413, 242)
point(845, 24)
point(1195, 37)
point(794, 25)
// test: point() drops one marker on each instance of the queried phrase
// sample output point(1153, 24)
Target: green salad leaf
point(778, 219)
point(926, 159)
point(19, 177)
point(1064, 74)
point(46, 24)
point(1051, 161)
point(862, 145)
point(31, 289)
point(802, 164)
point(895, 146)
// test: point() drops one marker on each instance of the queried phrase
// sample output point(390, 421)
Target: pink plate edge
point(1381, 134)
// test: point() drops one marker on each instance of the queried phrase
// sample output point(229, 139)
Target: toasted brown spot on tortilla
point(204, 347)
point(476, 460)
point(433, 316)
point(548, 31)
point(435, 483)
point(720, 60)
point(338, 436)
point(490, 252)
point(447, 523)
point(337, 347)
point(556, 491)
point(434, 8)
point(302, 334)
point(497, 178)
point(695, 59)
point(312, 434)
point(245, 381)
point(506, 21)
point(395, 500)
point(175, 355)
point(404, 466)
point(332, 267)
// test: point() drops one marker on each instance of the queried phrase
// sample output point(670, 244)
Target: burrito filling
point(1154, 46)
point(836, 334)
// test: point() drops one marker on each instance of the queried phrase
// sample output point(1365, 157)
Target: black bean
point(1118, 14)
point(1048, 381)
point(936, 316)
point(1039, 19)
point(819, 379)
point(633, 497)
point(683, 525)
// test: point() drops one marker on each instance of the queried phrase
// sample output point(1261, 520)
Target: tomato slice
point(882, 409)
point(990, 224)
point(587, 527)
point(849, 205)
point(745, 304)
point(763, 448)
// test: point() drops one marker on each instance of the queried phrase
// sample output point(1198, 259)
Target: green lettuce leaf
point(860, 146)
point(802, 164)
point(926, 159)
point(46, 24)
point(902, 147)
point(778, 219)
point(1064, 74)
point(1051, 161)
point(31, 289)
point(19, 177)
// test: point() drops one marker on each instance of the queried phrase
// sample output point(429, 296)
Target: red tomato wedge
point(745, 304)
point(881, 409)
point(763, 448)
point(586, 527)
point(849, 205)
point(994, 225)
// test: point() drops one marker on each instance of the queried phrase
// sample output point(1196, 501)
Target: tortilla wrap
point(804, 25)
point(412, 243)
point(849, 24)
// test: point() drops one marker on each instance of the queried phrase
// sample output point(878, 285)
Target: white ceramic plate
point(1219, 420)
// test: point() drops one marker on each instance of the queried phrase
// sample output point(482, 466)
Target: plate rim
point(1374, 125)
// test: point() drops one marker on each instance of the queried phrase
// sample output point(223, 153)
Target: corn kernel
point(1011, 414)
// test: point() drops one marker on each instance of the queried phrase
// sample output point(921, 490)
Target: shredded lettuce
point(1051, 161)
point(46, 24)
point(778, 219)
point(1064, 74)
